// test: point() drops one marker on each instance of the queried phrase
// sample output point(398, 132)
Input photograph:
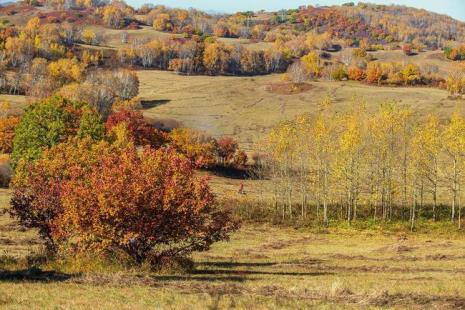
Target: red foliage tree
point(101, 198)
point(140, 131)
point(226, 148)
point(407, 49)
point(37, 186)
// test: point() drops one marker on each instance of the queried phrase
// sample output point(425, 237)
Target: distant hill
point(381, 24)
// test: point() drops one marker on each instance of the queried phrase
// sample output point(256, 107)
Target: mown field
point(262, 267)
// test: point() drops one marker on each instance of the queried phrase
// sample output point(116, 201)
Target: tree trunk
point(412, 220)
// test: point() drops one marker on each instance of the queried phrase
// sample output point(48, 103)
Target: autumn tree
point(411, 74)
point(323, 132)
point(350, 162)
point(426, 153)
point(7, 133)
point(48, 123)
point(311, 63)
point(113, 16)
point(216, 58)
point(163, 23)
point(227, 148)
point(88, 36)
point(154, 204)
point(140, 132)
point(454, 145)
point(65, 71)
point(455, 82)
point(374, 73)
point(195, 145)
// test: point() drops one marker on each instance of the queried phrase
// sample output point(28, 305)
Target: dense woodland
point(92, 174)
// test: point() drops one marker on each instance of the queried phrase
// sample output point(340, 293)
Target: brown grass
point(262, 267)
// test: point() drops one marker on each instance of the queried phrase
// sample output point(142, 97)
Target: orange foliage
point(197, 146)
point(356, 74)
point(99, 197)
point(7, 133)
point(141, 133)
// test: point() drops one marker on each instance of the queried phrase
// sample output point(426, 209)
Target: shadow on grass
point(255, 272)
point(224, 268)
point(34, 275)
point(213, 278)
point(235, 264)
point(149, 104)
point(257, 264)
point(230, 172)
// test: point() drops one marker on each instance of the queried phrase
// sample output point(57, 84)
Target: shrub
point(407, 49)
point(37, 186)
point(360, 53)
point(311, 63)
point(411, 74)
point(374, 73)
point(226, 148)
point(240, 158)
point(195, 145)
point(356, 74)
point(7, 133)
point(5, 171)
point(455, 53)
point(339, 73)
point(48, 123)
point(141, 133)
point(101, 198)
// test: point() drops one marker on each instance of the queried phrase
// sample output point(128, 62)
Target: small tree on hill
point(48, 123)
point(141, 133)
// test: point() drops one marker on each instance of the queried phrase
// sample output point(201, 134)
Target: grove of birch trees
point(388, 165)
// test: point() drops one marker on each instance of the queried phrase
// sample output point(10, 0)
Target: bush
point(339, 74)
point(48, 123)
point(5, 171)
point(356, 74)
point(360, 53)
point(195, 145)
point(407, 49)
point(100, 198)
point(141, 133)
point(7, 133)
point(226, 147)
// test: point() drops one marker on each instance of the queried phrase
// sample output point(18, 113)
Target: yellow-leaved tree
point(454, 145)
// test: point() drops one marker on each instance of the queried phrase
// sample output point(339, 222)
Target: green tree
point(48, 123)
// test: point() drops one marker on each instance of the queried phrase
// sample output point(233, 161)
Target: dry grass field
point(262, 267)
point(425, 60)
point(112, 37)
point(247, 107)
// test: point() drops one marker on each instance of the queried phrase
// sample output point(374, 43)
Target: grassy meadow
point(262, 267)
point(248, 107)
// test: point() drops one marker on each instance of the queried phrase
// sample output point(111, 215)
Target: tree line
point(390, 165)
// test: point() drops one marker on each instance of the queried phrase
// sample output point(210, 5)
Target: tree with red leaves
point(140, 131)
point(101, 198)
point(226, 148)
